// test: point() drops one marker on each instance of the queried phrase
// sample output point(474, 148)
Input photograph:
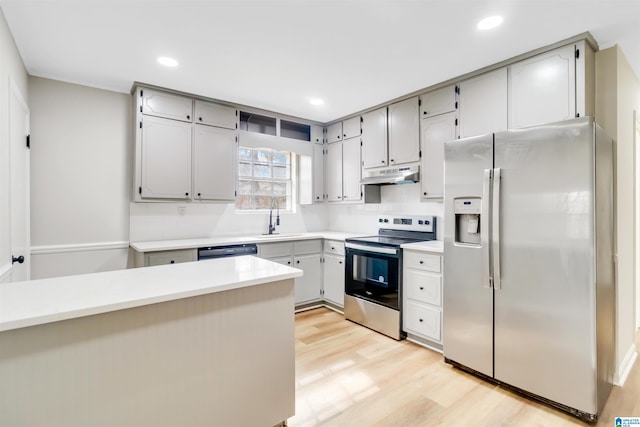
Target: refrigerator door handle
point(484, 227)
point(495, 228)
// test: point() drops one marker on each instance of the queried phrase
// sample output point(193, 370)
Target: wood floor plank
point(348, 375)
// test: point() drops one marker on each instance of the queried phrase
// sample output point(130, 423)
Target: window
point(264, 176)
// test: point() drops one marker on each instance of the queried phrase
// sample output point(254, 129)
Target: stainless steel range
point(373, 273)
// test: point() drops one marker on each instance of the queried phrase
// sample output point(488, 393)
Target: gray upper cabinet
point(437, 102)
point(435, 131)
point(334, 172)
point(165, 164)
point(317, 134)
point(351, 128)
point(214, 163)
point(483, 104)
point(211, 114)
point(404, 131)
point(334, 132)
point(542, 89)
point(169, 106)
point(374, 138)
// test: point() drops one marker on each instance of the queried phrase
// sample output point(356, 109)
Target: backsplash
point(168, 221)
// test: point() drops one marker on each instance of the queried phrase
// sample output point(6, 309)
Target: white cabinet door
point(439, 101)
point(166, 159)
point(308, 286)
point(351, 167)
point(483, 104)
point(317, 134)
point(374, 138)
point(404, 132)
point(334, 132)
point(214, 174)
point(435, 131)
point(542, 88)
point(351, 128)
point(162, 104)
point(318, 173)
point(334, 279)
point(333, 177)
point(209, 113)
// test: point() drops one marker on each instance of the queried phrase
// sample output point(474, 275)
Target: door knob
point(19, 259)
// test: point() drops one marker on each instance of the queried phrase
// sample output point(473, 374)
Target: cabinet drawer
point(422, 320)
point(162, 104)
point(170, 257)
point(307, 247)
point(422, 261)
point(333, 247)
point(275, 250)
point(425, 287)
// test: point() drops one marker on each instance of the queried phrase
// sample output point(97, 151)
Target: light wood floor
point(348, 375)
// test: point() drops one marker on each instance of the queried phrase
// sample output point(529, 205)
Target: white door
point(333, 177)
point(404, 132)
point(307, 287)
point(166, 159)
point(162, 104)
point(439, 101)
point(334, 279)
point(19, 185)
point(435, 132)
point(483, 104)
point(318, 173)
point(351, 167)
point(351, 128)
point(542, 89)
point(374, 138)
point(209, 113)
point(334, 132)
point(214, 162)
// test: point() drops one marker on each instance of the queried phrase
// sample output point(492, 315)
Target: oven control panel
point(407, 222)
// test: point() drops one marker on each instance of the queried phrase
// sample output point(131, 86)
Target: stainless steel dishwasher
point(212, 252)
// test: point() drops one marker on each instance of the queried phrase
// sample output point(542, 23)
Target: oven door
point(372, 273)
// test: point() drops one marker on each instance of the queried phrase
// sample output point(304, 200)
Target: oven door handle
point(374, 249)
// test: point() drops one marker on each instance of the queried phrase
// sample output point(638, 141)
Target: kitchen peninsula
point(200, 343)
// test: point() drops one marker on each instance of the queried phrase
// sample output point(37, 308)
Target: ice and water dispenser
point(467, 211)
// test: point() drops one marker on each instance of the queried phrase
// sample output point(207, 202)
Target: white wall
point(11, 68)
point(81, 168)
point(617, 96)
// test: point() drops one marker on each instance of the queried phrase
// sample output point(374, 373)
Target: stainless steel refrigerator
point(528, 262)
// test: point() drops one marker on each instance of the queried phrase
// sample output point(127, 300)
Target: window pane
point(280, 202)
point(262, 202)
point(243, 202)
point(244, 154)
point(263, 188)
point(280, 158)
point(262, 171)
point(281, 172)
point(245, 188)
point(279, 189)
point(262, 156)
point(244, 169)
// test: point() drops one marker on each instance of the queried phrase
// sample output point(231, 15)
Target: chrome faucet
point(272, 227)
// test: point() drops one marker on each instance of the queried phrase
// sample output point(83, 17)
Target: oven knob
point(386, 220)
point(427, 222)
point(379, 219)
point(420, 222)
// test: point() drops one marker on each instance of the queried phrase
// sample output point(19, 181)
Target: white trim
point(5, 272)
point(82, 247)
point(625, 366)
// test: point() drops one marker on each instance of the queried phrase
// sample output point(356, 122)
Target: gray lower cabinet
point(422, 297)
point(305, 255)
point(148, 259)
point(333, 272)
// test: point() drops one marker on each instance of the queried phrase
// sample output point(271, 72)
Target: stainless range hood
point(391, 175)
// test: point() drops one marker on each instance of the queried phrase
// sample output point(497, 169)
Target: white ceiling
point(276, 54)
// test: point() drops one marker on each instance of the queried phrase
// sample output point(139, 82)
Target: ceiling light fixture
point(316, 101)
point(490, 22)
point(167, 62)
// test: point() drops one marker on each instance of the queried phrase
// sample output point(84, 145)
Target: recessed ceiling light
point(316, 101)
point(490, 22)
point(167, 62)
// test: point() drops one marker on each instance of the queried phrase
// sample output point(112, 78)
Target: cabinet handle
point(199, 194)
point(298, 262)
point(344, 134)
point(424, 112)
point(186, 194)
point(172, 262)
point(317, 197)
point(425, 193)
point(200, 118)
point(391, 160)
point(420, 320)
point(289, 262)
point(332, 248)
point(381, 161)
point(421, 261)
point(339, 262)
point(422, 288)
point(188, 117)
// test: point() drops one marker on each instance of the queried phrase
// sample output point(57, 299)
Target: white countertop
point(42, 301)
point(430, 246)
point(166, 245)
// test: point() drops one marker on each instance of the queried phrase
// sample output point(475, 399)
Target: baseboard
point(82, 247)
point(625, 366)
